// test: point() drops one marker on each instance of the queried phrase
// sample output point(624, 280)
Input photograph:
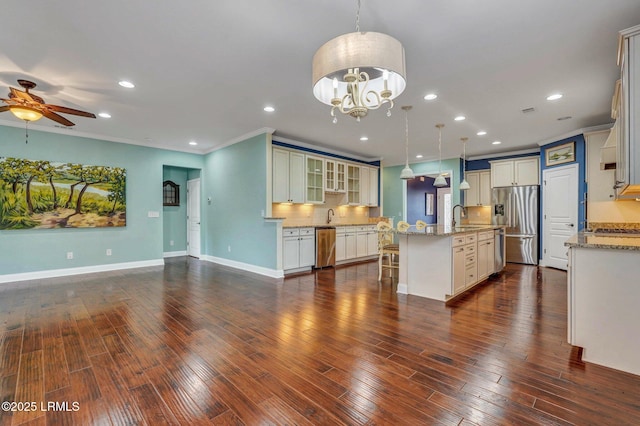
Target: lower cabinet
point(341, 248)
point(298, 246)
point(486, 254)
point(355, 242)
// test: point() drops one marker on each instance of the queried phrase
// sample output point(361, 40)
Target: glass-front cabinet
point(353, 185)
point(315, 176)
point(335, 173)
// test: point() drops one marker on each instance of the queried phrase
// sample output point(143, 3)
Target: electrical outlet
point(108, 252)
point(69, 255)
point(262, 213)
point(171, 242)
point(229, 249)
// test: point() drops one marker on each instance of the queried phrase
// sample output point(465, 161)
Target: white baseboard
point(174, 253)
point(52, 273)
point(403, 289)
point(273, 273)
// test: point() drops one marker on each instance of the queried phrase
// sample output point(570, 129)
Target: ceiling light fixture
point(406, 173)
point(25, 113)
point(481, 133)
point(269, 109)
point(127, 84)
point(554, 97)
point(364, 138)
point(460, 118)
point(464, 185)
point(430, 96)
point(193, 143)
point(104, 115)
point(358, 72)
point(419, 156)
point(496, 143)
point(440, 180)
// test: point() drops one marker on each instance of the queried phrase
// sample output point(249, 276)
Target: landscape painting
point(38, 194)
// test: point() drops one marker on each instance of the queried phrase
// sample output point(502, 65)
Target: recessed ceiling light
point(194, 143)
point(481, 133)
point(419, 156)
point(460, 118)
point(127, 84)
point(430, 96)
point(104, 115)
point(554, 97)
point(567, 117)
point(364, 138)
point(269, 109)
point(496, 143)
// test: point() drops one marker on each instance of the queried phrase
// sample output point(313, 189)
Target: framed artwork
point(428, 204)
point(40, 194)
point(565, 153)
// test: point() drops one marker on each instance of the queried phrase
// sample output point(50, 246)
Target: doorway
point(426, 202)
point(560, 213)
point(445, 214)
point(193, 218)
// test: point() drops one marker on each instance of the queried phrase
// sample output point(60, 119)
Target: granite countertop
point(618, 241)
point(327, 224)
point(448, 230)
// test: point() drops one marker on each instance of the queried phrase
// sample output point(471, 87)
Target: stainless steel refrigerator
point(517, 208)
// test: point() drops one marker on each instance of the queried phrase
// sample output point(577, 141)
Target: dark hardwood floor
point(195, 343)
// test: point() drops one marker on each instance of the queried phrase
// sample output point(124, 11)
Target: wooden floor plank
point(197, 343)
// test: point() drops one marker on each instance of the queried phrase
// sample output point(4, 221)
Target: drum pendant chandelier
point(358, 72)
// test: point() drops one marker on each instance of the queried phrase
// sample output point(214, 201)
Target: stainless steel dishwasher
point(325, 246)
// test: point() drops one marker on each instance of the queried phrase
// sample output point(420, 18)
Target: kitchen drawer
point(470, 249)
point(307, 231)
point(470, 238)
point(485, 235)
point(470, 276)
point(341, 229)
point(362, 228)
point(290, 232)
point(457, 241)
point(350, 229)
point(470, 260)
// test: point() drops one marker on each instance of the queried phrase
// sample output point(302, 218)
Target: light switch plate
point(153, 214)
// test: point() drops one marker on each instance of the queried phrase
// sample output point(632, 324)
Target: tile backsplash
point(614, 211)
point(316, 214)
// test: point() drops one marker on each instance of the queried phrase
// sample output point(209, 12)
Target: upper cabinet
point(315, 180)
point(353, 185)
point(515, 172)
point(479, 192)
point(288, 176)
point(335, 176)
point(628, 148)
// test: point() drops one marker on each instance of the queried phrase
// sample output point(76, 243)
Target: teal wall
point(174, 218)
point(393, 185)
point(33, 250)
point(235, 181)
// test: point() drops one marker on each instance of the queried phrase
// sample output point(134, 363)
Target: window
point(170, 193)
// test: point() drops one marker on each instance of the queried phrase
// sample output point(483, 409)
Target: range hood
point(608, 151)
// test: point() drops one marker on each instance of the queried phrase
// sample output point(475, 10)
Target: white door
point(193, 218)
point(444, 206)
point(560, 213)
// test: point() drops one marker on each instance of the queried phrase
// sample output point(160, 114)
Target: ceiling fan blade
point(58, 118)
point(66, 110)
point(4, 108)
point(15, 93)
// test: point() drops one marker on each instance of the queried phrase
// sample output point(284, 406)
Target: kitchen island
point(443, 262)
point(602, 295)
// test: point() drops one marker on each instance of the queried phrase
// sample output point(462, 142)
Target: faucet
point(463, 213)
point(330, 214)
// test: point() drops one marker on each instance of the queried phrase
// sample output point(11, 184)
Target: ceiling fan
point(29, 107)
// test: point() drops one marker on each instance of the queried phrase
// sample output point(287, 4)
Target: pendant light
point(464, 185)
point(440, 180)
point(406, 173)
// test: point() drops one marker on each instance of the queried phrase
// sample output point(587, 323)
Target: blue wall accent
point(416, 203)
point(175, 217)
point(32, 250)
point(485, 165)
point(326, 154)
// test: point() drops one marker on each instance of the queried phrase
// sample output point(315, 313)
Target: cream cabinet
point(479, 192)
point(298, 246)
point(353, 185)
point(373, 186)
point(458, 266)
point(486, 254)
point(341, 252)
point(364, 185)
point(288, 176)
point(335, 176)
point(314, 179)
point(628, 147)
point(515, 172)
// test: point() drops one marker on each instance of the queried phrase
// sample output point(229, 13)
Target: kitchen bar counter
point(448, 230)
point(619, 241)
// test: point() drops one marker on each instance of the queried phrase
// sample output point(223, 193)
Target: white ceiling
point(204, 69)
